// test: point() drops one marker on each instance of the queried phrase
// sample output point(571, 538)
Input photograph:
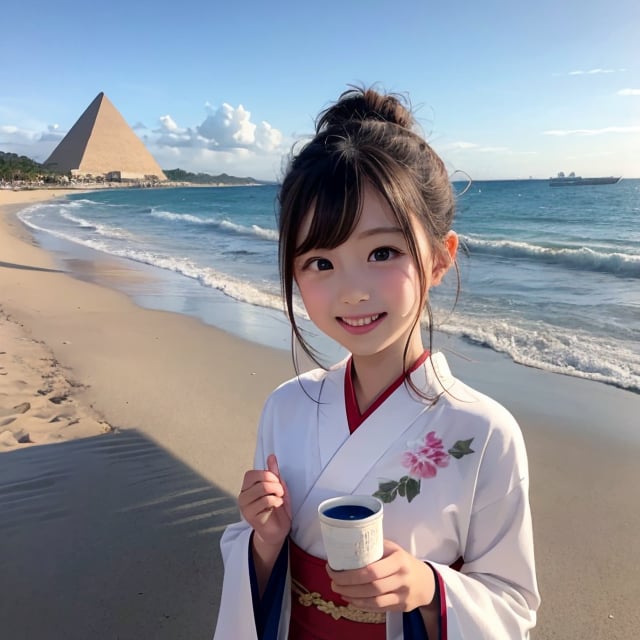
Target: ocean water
point(550, 277)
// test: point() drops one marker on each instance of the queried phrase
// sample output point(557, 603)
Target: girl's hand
point(396, 582)
point(264, 503)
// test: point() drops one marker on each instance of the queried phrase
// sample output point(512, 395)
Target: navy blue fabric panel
point(266, 610)
point(413, 626)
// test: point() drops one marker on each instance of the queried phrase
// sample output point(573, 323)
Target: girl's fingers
point(258, 491)
point(390, 564)
point(273, 467)
point(262, 492)
point(252, 505)
point(262, 509)
point(266, 503)
point(256, 476)
point(263, 488)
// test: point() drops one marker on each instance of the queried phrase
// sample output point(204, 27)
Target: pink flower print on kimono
point(423, 458)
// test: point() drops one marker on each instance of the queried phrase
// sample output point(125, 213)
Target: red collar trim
point(354, 417)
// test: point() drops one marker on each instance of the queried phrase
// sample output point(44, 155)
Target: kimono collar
point(354, 417)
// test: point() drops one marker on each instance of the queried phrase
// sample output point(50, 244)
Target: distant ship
point(572, 180)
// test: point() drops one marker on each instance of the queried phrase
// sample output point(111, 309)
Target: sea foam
point(553, 349)
point(583, 258)
point(220, 223)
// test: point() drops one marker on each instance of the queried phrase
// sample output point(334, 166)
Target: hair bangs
point(335, 205)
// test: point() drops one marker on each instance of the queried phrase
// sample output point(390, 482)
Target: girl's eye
point(319, 264)
point(382, 254)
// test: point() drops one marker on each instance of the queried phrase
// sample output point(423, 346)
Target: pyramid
point(101, 143)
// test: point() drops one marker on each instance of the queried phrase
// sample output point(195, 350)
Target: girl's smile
point(363, 324)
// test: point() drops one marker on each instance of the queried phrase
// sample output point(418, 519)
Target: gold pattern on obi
point(307, 598)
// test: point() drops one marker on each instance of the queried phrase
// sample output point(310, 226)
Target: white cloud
point(226, 140)
point(592, 72)
point(168, 123)
point(455, 146)
point(592, 132)
point(51, 136)
point(178, 139)
point(37, 145)
point(10, 132)
point(628, 92)
point(229, 127)
point(268, 138)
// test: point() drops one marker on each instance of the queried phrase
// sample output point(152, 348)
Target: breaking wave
point(554, 349)
point(220, 224)
point(583, 258)
point(100, 229)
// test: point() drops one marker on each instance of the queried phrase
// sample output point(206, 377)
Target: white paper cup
point(352, 537)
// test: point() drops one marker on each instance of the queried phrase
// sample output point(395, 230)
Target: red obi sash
point(317, 612)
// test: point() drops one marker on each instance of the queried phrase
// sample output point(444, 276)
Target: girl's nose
point(353, 290)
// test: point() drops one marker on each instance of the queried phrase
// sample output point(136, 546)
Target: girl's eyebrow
point(366, 233)
point(374, 231)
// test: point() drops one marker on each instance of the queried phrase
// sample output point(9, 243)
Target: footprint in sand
point(23, 407)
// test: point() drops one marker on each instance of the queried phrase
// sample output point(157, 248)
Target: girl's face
point(365, 293)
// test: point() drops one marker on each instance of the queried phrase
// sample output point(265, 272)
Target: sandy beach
point(125, 432)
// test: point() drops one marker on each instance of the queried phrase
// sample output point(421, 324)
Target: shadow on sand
point(27, 267)
point(108, 537)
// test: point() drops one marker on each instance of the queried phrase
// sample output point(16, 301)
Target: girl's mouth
point(361, 324)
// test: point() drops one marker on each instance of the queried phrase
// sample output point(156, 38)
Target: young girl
point(365, 231)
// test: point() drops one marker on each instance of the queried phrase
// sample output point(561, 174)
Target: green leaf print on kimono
point(423, 459)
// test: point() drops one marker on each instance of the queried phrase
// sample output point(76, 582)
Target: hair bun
point(358, 105)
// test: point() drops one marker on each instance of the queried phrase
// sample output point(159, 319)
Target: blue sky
point(501, 89)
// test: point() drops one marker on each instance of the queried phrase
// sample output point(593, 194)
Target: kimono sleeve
point(235, 617)
point(236, 613)
point(495, 594)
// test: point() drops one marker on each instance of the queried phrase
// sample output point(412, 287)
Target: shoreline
point(152, 288)
point(202, 282)
point(188, 394)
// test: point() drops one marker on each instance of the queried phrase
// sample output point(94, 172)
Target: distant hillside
point(15, 167)
point(180, 175)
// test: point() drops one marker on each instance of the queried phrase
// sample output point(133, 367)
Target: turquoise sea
point(550, 277)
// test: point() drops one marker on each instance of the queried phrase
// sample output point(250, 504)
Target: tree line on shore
point(15, 168)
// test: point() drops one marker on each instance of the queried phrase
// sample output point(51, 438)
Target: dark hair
point(365, 138)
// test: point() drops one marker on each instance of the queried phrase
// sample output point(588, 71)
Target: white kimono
point(453, 475)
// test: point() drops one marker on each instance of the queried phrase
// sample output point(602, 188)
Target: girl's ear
point(444, 258)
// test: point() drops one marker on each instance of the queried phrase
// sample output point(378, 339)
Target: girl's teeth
point(360, 322)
